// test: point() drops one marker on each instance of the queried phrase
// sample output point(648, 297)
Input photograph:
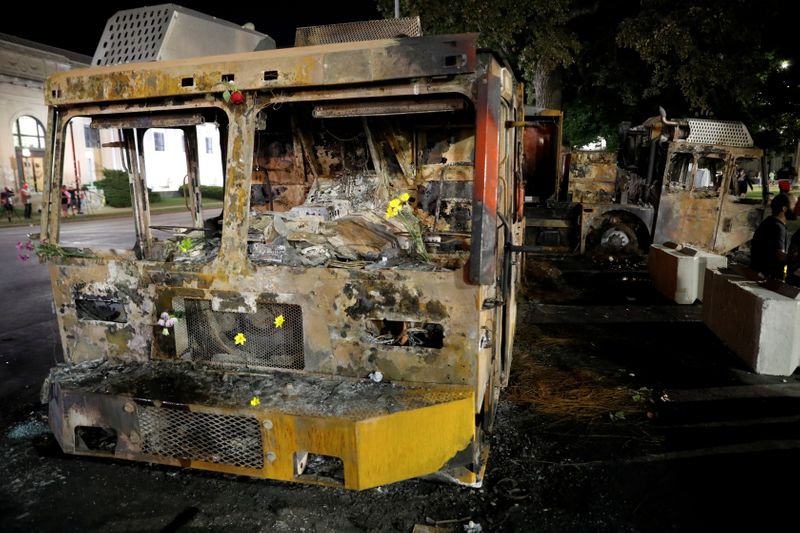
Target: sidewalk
point(97, 214)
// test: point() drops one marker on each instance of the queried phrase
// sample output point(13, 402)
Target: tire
point(618, 235)
point(619, 239)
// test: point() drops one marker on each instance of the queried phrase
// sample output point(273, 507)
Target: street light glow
point(785, 64)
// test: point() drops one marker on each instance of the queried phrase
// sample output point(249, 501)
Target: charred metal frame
point(719, 222)
point(444, 390)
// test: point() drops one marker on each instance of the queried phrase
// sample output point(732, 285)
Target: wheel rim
point(616, 238)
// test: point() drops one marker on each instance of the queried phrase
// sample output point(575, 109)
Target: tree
point(531, 34)
point(724, 57)
point(618, 60)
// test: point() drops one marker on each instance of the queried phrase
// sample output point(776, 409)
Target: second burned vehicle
point(348, 318)
point(672, 180)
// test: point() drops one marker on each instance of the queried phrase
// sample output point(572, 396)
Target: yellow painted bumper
point(276, 425)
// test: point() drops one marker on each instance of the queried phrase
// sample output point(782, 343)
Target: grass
point(756, 192)
point(179, 201)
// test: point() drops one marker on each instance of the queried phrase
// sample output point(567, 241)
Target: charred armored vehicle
point(347, 319)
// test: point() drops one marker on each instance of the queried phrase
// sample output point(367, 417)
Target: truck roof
point(321, 65)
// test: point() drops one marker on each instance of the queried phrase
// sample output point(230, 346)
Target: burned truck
point(671, 180)
point(348, 318)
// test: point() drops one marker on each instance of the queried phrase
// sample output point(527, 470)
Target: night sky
point(77, 27)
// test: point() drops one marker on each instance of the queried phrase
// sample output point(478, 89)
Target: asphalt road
point(28, 331)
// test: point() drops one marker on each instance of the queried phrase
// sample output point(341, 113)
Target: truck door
point(690, 199)
point(739, 212)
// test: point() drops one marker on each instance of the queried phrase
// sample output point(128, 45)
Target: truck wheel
point(618, 235)
point(619, 239)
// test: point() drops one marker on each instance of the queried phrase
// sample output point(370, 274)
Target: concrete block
point(713, 279)
point(760, 325)
point(678, 272)
point(705, 260)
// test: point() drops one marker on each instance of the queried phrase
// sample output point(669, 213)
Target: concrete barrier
point(759, 321)
point(678, 271)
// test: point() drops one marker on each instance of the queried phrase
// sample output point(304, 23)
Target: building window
point(209, 146)
point(91, 137)
point(158, 139)
point(28, 133)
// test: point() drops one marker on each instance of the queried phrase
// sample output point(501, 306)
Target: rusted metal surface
point(334, 64)
point(339, 309)
point(593, 177)
point(303, 237)
point(703, 210)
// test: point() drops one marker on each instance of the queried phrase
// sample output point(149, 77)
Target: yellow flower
point(279, 320)
point(395, 203)
point(255, 401)
point(404, 197)
point(239, 339)
point(392, 211)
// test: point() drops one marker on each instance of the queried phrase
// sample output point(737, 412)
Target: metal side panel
point(280, 426)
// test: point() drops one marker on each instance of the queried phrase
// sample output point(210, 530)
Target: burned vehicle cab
point(347, 318)
point(701, 204)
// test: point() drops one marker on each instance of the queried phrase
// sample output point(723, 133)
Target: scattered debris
point(472, 527)
point(576, 392)
point(28, 430)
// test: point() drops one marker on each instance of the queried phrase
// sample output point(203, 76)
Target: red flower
point(237, 97)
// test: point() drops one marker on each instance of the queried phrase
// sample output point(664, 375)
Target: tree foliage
point(117, 190)
point(621, 60)
point(532, 35)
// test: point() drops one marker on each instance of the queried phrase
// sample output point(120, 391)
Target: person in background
point(786, 173)
point(7, 200)
point(742, 182)
point(73, 194)
point(793, 255)
point(768, 250)
point(78, 198)
point(65, 199)
point(25, 197)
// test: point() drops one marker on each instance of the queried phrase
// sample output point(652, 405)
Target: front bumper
point(278, 425)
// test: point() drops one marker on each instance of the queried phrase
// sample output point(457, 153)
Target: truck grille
point(208, 437)
point(211, 335)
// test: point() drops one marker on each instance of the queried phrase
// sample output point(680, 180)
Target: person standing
point(65, 198)
point(768, 250)
point(25, 196)
point(742, 182)
point(786, 173)
point(7, 199)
